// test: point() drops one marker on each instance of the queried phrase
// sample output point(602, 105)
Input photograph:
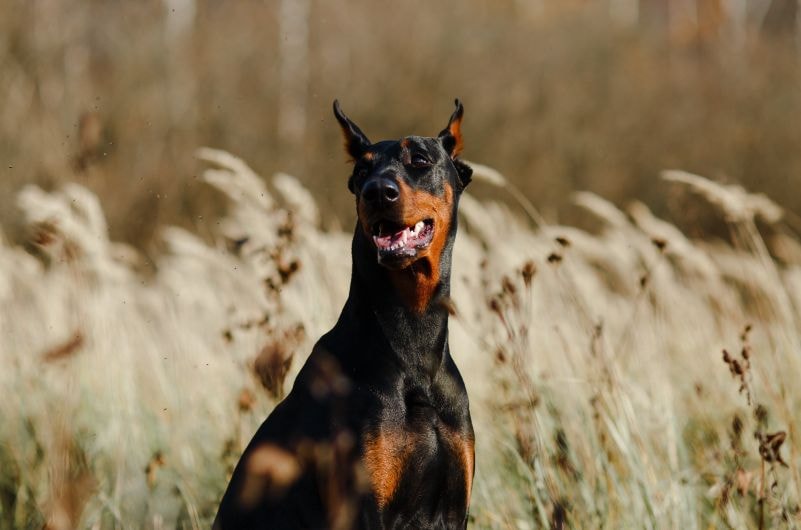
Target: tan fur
point(417, 283)
point(385, 456)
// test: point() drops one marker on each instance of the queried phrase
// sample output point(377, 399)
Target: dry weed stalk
point(575, 427)
point(71, 488)
point(768, 449)
point(549, 459)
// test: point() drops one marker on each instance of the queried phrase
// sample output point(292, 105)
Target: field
point(627, 377)
point(117, 96)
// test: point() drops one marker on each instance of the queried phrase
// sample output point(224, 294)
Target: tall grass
point(601, 393)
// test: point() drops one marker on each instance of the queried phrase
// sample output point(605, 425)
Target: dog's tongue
point(398, 239)
point(393, 239)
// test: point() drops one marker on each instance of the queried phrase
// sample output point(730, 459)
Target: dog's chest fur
point(417, 450)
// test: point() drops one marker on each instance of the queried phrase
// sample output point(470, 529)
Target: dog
point(376, 431)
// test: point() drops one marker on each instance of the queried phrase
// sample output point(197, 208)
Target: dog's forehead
point(396, 148)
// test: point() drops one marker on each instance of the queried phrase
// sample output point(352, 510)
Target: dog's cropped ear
point(465, 172)
point(451, 138)
point(356, 143)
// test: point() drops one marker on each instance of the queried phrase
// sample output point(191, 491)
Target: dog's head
point(407, 190)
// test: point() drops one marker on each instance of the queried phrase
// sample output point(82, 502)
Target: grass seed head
point(554, 258)
point(246, 400)
point(528, 271)
point(272, 364)
point(659, 243)
point(65, 350)
point(508, 286)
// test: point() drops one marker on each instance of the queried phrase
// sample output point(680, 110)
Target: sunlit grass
point(594, 362)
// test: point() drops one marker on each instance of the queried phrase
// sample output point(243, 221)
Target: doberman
point(376, 432)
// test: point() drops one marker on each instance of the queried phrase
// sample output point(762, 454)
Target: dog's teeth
point(419, 226)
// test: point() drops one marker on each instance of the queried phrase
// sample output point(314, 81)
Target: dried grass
point(592, 361)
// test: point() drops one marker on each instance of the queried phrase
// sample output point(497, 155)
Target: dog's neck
point(408, 307)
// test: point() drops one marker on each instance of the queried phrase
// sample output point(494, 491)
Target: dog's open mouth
point(397, 241)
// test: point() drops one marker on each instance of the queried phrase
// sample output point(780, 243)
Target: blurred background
point(559, 95)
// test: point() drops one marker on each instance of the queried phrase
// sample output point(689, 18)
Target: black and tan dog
point(376, 432)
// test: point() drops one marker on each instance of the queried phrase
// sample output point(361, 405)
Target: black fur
point(384, 369)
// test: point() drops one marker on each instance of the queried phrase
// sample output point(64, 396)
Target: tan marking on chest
point(463, 448)
point(385, 457)
point(468, 454)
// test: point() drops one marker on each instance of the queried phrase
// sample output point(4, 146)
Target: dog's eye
point(361, 174)
point(419, 160)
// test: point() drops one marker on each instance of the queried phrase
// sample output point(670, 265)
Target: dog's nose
point(380, 190)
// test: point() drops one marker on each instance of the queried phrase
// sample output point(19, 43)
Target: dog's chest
point(418, 452)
